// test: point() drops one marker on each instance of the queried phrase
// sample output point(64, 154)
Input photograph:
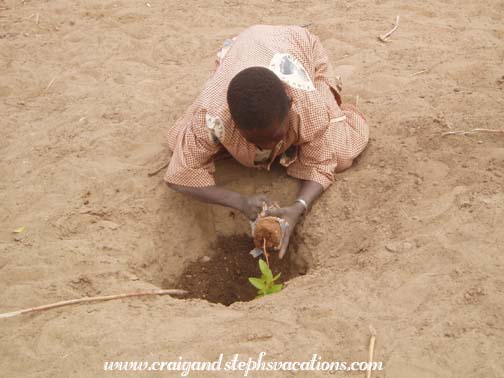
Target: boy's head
point(259, 106)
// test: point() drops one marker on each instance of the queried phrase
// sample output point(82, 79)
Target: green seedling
point(266, 283)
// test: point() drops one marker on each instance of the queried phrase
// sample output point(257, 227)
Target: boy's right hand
point(253, 205)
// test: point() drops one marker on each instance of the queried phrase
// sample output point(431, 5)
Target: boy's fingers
point(274, 213)
point(285, 244)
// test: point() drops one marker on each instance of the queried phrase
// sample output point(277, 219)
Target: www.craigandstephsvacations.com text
point(247, 365)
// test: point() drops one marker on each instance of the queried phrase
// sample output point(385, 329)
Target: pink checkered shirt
point(321, 133)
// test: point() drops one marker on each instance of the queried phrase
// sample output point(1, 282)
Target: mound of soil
point(222, 277)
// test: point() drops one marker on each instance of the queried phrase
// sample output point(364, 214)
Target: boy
point(271, 96)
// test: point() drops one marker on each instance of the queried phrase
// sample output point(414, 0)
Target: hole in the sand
point(222, 276)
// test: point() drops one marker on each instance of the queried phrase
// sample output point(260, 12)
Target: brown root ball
point(268, 228)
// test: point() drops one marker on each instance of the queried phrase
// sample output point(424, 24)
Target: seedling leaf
point(275, 289)
point(265, 270)
point(257, 283)
point(266, 283)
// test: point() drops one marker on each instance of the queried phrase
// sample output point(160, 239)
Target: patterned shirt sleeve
point(316, 160)
point(192, 162)
point(325, 81)
point(342, 136)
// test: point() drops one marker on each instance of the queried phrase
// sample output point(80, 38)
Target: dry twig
point(372, 341)
point(92, 299)
point(384, 37)
point(419, 72)
point(473, 131)
point(155, 172)
point(49, 85)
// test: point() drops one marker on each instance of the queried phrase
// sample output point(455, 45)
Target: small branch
point(384, 37)
point(473, 131)
point(50, 83)
point(153, 173)
point(372, 341)
point(92, 299)
point(419, 72)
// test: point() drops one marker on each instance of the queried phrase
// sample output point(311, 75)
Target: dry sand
point(409, 241)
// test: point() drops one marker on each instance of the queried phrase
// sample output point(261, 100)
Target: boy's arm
point(192, 167)
point(250, 206)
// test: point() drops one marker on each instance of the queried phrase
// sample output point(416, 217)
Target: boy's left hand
point(291, 214)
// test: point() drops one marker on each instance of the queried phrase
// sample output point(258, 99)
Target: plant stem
point(265, 252)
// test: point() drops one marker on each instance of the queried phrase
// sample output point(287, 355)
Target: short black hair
point(257, 98)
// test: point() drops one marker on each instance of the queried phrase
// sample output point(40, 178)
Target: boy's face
point(267, 138)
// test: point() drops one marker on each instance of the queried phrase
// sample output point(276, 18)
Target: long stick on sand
point(473, 131)
point(372, 341)
point(92, 299)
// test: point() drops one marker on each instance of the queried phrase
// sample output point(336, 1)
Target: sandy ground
point(409, 241)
